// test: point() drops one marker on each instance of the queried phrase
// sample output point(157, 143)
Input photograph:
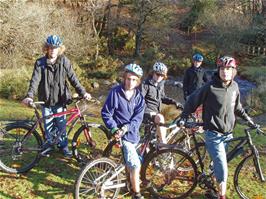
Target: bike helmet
point(197, 57)
point(134, 68)
point(226, 61)
point(54, 41)
point(160, 68)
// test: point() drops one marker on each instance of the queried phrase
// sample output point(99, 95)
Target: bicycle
point(176, 136)
point(103, 178)
point(248, 170)
point(21, 145)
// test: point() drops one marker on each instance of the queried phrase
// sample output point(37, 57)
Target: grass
point(54, 177)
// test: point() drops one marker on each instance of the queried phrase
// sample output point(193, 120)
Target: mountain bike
point(249, 172)
point(21, 145)
point(103, 178)
point(176, 137)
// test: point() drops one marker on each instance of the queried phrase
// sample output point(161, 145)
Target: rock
point(95, 85)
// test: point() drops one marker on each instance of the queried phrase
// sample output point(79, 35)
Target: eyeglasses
point(160, 75)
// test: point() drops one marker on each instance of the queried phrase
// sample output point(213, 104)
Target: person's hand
point(253, 125)
point(27, 101)
point(118, 134)
point(179, 105)
point(181, 122)
point(87, 96)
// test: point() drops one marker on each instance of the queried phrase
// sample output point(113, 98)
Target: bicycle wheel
point(164, 177)
point(93, 176)
point(85, 151)
point(246, 178)
point(19, 153)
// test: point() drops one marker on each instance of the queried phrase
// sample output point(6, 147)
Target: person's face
point(53, 52)
point(131, 81)
point(157, 77)
point(227, 73)
point(197, 63)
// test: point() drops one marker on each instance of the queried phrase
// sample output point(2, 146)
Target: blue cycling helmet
point(134, 68)
point(197, 57)
point(53, 41)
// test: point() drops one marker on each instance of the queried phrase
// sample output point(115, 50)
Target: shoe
point(137, 196)
point(67, 153)
point(211, 194)
point(46, 149)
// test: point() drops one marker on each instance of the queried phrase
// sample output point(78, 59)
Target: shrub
point(14, 85)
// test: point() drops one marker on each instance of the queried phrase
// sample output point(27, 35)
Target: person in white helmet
point(122, 113)
point(152, 90)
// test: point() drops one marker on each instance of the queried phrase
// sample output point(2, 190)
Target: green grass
point(54, 177)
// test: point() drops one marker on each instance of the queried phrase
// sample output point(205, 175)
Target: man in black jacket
point(221, 101)
point(152, 90)
point(49, 80)
point(194, 77)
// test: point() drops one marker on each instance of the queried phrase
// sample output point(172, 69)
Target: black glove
point(252, 124)
point(179, 105)
point(181, 122)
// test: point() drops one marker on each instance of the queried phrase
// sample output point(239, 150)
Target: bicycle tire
point(84, 151)
point(100, 169)
point(19, 154)
point(246, 177)
point(162, 175)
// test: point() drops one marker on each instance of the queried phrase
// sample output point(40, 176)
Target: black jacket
point(220, 104)
point(154, 95)
point(50, 81)
point(194, 78)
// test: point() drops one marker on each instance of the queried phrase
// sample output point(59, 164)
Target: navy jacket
point(194, 78)
point(118, 111)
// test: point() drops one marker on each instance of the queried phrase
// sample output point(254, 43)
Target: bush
point(14, 85)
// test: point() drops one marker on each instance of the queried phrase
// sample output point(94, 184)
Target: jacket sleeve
point(143, 89)
point(35, 80)
point(239, 110)
point(195, 100)
point(72, 78)
point(108, 111)
point(137, 117)
point(165, 99)
point(185, 84)
point(205, 79)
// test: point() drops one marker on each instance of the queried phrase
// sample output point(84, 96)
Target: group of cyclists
point(135, 101)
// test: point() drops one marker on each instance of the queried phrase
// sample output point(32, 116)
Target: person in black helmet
point(220, 99)
point(194, 77)
point(49, 81)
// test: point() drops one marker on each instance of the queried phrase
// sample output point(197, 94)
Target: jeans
point(216, 147)
point(131, 156)
point(53, 126)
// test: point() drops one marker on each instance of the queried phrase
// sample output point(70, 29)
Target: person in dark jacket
point(152, 90)
point(49, 80)
point(194, 77)
point(122, 113)
point(221, 101)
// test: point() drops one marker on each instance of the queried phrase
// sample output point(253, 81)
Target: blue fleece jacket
point(118, 111)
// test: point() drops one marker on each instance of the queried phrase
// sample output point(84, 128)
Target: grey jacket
point(220, 104)
point(154, 95)
point(50, 84)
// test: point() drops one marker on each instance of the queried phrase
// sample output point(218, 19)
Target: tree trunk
point(138, 42)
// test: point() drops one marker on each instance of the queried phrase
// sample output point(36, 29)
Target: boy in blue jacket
point(122, 113)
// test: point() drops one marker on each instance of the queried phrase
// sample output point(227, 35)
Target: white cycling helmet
point(160, 68)
point(134, 68)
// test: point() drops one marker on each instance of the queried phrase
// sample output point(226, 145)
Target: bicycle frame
point(74, 113)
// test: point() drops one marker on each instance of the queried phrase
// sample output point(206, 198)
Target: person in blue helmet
point(122, 113)
point(194, 77)
point(49, 81)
